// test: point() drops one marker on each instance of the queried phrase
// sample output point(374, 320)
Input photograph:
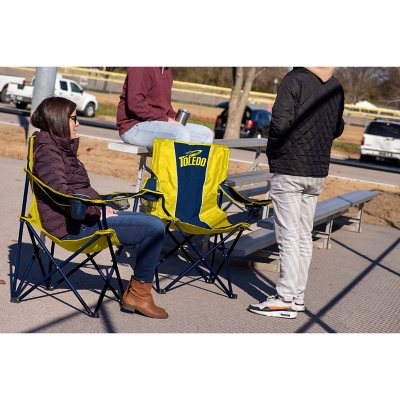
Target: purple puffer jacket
point(56, 164)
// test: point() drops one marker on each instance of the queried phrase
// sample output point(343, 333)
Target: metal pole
point(45, 80)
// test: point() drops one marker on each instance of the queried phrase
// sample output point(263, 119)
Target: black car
point(255, 123)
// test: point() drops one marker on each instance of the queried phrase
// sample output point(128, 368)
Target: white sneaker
point(274, 307)
point(298, 306)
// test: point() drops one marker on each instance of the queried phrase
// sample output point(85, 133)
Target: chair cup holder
point(149, 203)
point(121, 204)
point(78, 208)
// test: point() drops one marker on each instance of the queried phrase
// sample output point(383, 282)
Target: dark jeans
point(135, 228)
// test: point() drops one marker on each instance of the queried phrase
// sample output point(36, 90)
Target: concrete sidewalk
point(353, 287)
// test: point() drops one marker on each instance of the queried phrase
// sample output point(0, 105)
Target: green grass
point(209, 124)
point(106, 110)
point(351, 148)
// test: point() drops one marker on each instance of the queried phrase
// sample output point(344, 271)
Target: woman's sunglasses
point(74, 118)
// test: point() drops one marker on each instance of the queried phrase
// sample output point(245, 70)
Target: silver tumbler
point(182, 116)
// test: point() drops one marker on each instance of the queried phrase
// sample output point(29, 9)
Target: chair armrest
point(64, 200)
point(120, 195)
point(61, 199)
point(236, 197)
point(120, 199)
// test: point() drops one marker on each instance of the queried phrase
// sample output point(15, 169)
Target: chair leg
point(18, 294)
point(158, 289)
point(23, 282)
point(228, 253)
point(109, 276)
point(58, 268)
point(202, 260)
point(14, 274)
point(228, 276)
point(116, 294)
point(118, 255)
point(179, 277)
point(50, 267)
point(78, 296)
point(193, 264)
point(222, 243)
point(36, 250)
point(225, 263)
point(103, 292)
point(215, 242)
point(179, 245)
point(89, 257)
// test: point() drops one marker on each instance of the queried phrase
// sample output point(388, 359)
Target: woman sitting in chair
point(56, 164)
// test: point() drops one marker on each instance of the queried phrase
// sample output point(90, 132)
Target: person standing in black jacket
point(306, 117)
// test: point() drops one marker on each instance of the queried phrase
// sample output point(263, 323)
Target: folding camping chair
point(191, 178)
point(91, 246)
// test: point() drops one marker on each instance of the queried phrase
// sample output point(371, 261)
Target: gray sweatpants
point(294, 199)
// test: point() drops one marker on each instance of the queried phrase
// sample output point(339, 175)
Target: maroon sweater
point(146, 96)
point(55, 163)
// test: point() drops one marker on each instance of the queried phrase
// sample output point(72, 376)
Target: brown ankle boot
point(138, 297)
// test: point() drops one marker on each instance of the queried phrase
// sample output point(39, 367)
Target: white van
point(381, 140)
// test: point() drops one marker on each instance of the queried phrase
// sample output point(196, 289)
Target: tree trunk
point(240, 92)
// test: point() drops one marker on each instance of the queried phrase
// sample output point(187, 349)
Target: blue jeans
point(134, 228)
point(143, 133)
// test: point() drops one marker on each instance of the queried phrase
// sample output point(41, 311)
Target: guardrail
point(372, 112)
point(178, 86)
point(214, 93)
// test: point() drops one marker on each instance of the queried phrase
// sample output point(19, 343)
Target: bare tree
point(360, 83)
point(389, 90)
point(243, 79)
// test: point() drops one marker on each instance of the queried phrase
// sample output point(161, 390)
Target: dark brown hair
point(52, 115)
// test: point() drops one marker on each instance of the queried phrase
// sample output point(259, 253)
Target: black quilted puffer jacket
point(306, 118)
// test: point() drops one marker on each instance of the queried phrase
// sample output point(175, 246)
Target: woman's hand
point(110, 212)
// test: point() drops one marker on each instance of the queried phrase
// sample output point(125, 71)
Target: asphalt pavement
point(353, 287)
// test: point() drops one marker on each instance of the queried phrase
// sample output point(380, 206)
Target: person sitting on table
point(145, 111)
point(56, 164)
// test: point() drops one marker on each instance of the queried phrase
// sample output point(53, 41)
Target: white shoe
point(274, 307)
point(298, 306)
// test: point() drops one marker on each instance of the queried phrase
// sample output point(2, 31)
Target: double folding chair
point(21, 283)
point(191, 180)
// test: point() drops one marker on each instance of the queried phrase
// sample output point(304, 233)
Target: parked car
point(255, 123)
point(5, 80)
point(381, 140)
point(86, 103)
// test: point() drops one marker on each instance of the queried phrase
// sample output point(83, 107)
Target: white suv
point(381, 140)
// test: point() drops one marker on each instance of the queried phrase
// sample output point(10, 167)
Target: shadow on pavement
point(80, 279)
point(374, 263)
